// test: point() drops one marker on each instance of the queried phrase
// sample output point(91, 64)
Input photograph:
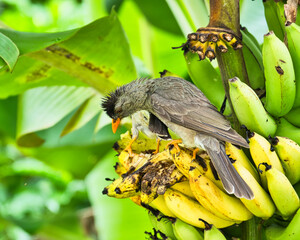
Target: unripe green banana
point(286, 129)
point(249, 109)
point(293, 115)
point(184, 231)
point(212, 233)
point(253, 60)
point(206, 78)
point(281, 191)
point(164, 225)
point(293, 36)
point(288, 152)
point(261, 205)
point(260, 150)
point(274, 14)
point(291, 232)
point(279, 74)
point(152, 219)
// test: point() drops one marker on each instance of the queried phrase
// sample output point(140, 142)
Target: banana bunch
point(185, 196)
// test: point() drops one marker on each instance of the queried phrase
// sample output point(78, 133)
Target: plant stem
point(252, 229)
point(225, 14)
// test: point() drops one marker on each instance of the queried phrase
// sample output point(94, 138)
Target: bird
point(183, 108)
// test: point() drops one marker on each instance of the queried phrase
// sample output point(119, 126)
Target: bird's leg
point(128, 148)
point(157, 146)
point(195, 153)
point(175, 143)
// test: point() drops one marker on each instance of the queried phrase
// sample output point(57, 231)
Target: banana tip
point(269, 33)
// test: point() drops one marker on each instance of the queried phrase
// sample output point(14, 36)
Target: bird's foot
point(195, 153)
point(157, 147)
point(129, 149)
point(175, 144)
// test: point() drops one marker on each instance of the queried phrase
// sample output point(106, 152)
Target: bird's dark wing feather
point(183, 103)
point(158, 127)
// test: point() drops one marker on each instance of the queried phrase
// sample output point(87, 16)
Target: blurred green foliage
point(55, 141)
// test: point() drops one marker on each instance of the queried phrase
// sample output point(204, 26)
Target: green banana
point(261, 205)
point(291, 232)
point(281, 191)
point(165, 226)
point(152, 219)
point(260, 150)
point(293, 36)
point(286, 129)
point(216, 201)
point(293, 115)
point(289, 154)
point(253, 60)
point(237, 154)
point(189, 210)
point(185, 231)
point(274, 17)
point(212, 233)
point(279, 74)
point(206, 78)
point(249, 109)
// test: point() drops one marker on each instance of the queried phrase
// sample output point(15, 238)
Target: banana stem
point(226, 14)
point(251, 229)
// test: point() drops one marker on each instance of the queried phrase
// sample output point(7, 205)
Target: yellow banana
point(216, 201)
point(190, 211)
point(184, 161)
point(288, 152)
point(120, 169)
point(184, 187)
point(159, 203)
point(237, 154)
point(282, 192)
point(260, 150)
point(261, 205)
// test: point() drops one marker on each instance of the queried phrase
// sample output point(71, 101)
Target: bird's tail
point(231, 180)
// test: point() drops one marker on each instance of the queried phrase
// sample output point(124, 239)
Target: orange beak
point(115, 124)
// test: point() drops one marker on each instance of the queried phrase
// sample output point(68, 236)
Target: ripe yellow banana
point(184, 187)
point(282, 191)
point(124, 187)
point(261, 205)
point(279, 74)
point(288, 152)
point(249, 109)
point(293, 36)
point(260, 150)
point(184, 161)
point(216, 201)
point(190, 211)
point(238, 154)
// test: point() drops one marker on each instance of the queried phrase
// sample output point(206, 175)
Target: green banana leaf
point(97, 55)
point(9, 52)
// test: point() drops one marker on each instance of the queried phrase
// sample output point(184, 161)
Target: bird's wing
point(181, 102)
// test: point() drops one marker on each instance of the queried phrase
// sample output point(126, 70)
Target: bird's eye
point(118, 110)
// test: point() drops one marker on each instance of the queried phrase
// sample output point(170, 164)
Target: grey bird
point(183, 108)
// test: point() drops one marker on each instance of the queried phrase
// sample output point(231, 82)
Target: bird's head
point(119, 104)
